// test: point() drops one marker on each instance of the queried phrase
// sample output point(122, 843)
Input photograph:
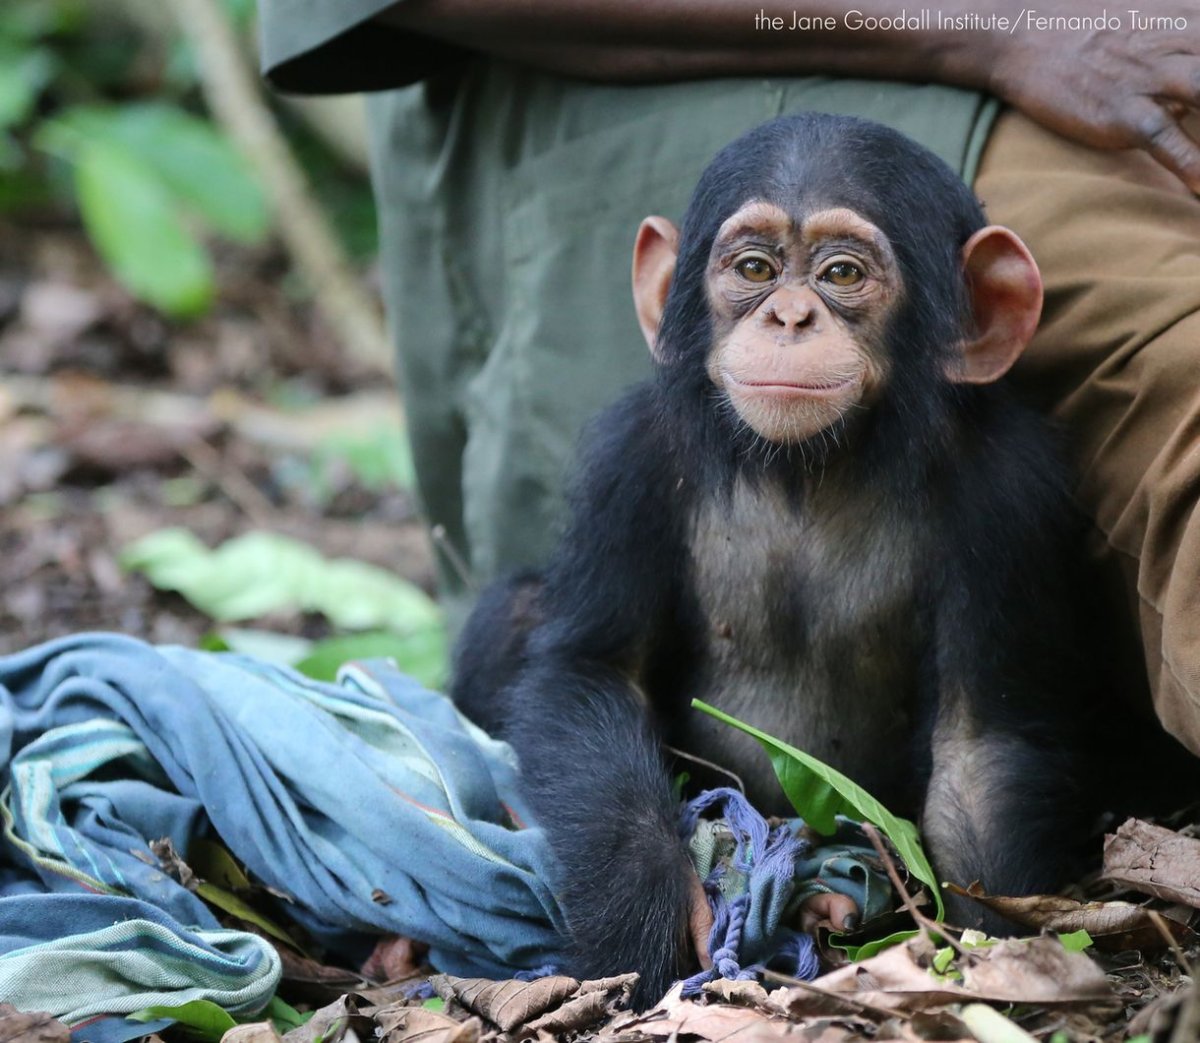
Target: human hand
point(1120, 88)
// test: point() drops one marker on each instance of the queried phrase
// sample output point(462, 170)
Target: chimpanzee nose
point(791, 311)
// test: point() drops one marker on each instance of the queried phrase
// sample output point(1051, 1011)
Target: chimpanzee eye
point(843, 273)
point(755, 269)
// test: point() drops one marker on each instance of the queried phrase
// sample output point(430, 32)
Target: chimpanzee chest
point(812, 631)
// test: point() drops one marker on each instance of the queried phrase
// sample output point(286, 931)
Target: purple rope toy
point(767, 857)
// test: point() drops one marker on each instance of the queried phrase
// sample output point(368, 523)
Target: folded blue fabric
point(371, 803)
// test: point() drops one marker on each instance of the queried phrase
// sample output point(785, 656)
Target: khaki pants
point(1117, 361)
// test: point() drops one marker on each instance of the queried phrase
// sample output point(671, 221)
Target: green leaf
point(990, 1026)
point(819, 793)
point(243, 910)
point(132, 222)
point(212, 642)
point(203, 1017)
point(280, 649)
point(435, 1003)
point(211, 860)
point(1076, 941)
point(942, 959)
point(199, 168)
point(379, 460)
point(423, 654)
point(260, 572)
point(285, 1016)
point(24, 73)
point(874, 947)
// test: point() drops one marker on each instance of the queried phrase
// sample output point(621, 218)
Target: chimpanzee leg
point(491, 648)
point(999, 810)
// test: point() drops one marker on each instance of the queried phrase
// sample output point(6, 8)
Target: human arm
point(1111, 88)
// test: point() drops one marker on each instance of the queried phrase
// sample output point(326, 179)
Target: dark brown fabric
point(1117, 360)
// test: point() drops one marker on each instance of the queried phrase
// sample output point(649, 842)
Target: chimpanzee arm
point(1006, 790)
point(579, 718)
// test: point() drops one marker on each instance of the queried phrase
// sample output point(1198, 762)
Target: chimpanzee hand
point(1123, 88)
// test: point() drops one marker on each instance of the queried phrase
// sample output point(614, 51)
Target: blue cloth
point(335, 795)
point(372, 804)
point(757, 875)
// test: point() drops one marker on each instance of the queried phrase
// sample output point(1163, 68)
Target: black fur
point(898, 603)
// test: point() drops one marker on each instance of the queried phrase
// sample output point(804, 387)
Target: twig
point(840, 997)
point(231, 481)
point(441, 540)
point(1187, 1021)
point(684, 755)
point(928, 927)
point(1160, 925)
point(235, 100)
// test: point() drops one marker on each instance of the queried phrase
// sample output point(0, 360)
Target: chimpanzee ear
point(1006, 302)
point(654, 255)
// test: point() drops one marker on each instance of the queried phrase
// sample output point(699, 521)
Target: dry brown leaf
point(1155, 861)
point(30, 1026)
point(315, 982)
point(400, 1024)
point(395, 956)
point(394, 993)
point(1113, 926)
point(828, 1030)
point(581, 1012)
point(934, 1025)
point(57, 312)
point(256, 1032)
point(746, 993)
point(716, 1022)
point(891, 981)
point(1036, 970)
point(332, 1022)
point(1161, 1018)
point(620, 983)
point(508, 1004)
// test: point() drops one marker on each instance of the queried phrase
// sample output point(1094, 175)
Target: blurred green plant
point(151, 179)
point(376, 613)
point(380, 459)
point(148, 177)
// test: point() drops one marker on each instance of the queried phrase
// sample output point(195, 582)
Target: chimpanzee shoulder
point(616, 570)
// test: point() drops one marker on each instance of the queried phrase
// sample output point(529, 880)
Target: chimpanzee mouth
point(791, 386)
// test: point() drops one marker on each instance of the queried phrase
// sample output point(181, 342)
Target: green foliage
point(202, 1017)
point(424, 654)
point(151, 180)
point(24, 73)
point(260, 573)
point(202, 172)
point(230, 903)
point(990, 1025)
point(131, 221)
point(380, 460)
point(285, 1017)
point(145, 176)
point(819, 793)
point(1076, 941)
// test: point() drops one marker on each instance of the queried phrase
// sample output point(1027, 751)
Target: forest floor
point(115, 423)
